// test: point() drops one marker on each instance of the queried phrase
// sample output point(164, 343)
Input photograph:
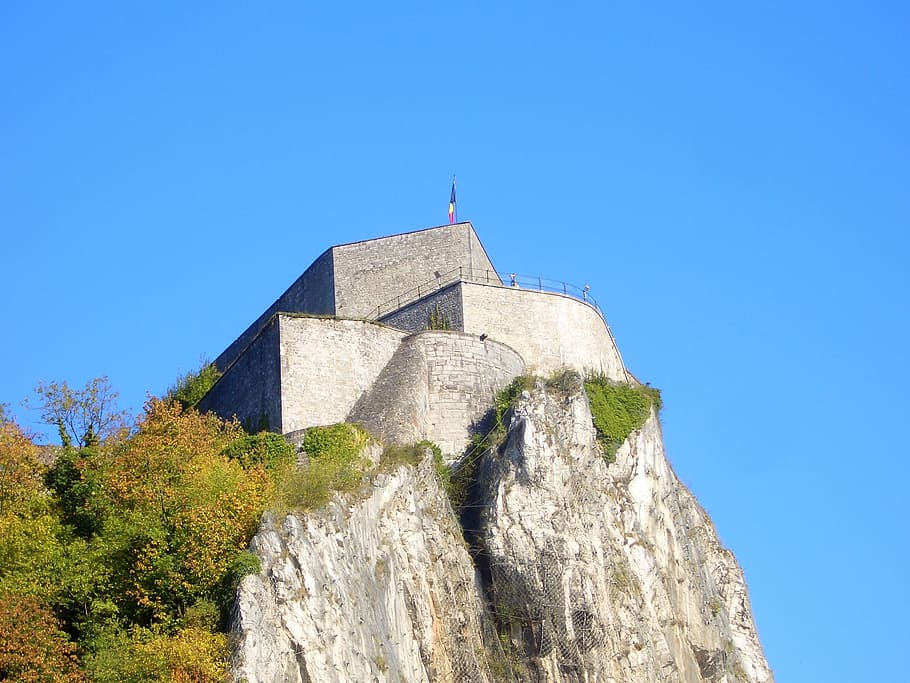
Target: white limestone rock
point(608, 573)
point(593, 572)
point(378, 589)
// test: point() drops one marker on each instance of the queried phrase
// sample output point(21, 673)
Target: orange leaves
point(172, 446)
point(128, 540)
point(20, 470)
point(32, 647)
point(189, 508)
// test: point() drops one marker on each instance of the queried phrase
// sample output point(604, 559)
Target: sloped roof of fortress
point(350, 339)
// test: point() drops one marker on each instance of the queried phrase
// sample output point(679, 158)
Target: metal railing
point(487, 277)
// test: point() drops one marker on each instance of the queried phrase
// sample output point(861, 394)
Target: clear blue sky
point(732, 181)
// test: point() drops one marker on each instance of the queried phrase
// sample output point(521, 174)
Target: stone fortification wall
point(370, 273)
point(250, 388)
point(438, 385)
point(327, 364)
point(313, 292)
point(416, 316)
point(548, 330)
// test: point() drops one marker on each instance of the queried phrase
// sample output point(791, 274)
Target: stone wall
point(251, 386)
point(438, 386)
point(327, 364)
point(416, 316)
point(548, 330)
point(313, 292)
point(371, 272)
point(351, 280)
point(298, 370)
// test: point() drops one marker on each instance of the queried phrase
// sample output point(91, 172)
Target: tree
point(83, 417)
point(192, 386)
point(20, 469)
point(186, 510)
point(32, 646)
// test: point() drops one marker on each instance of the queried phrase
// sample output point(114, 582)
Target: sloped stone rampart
point(416, 316)
point(548, 330)
point(438, 386)
point(313, 292)
point(327, 364)
point(250, 388)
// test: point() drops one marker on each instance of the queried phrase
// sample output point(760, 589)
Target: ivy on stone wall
point(193, 385)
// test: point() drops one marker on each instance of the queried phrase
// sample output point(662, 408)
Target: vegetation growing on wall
point(392, 456)
point(438, 320)
point(618, 410)
point(491, 434)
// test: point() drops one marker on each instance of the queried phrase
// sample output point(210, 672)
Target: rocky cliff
point(575, 570)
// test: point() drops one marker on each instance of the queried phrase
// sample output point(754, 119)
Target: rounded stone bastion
point(438, 386)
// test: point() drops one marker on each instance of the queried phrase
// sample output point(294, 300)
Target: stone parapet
point(445, 303)
point(549, 330)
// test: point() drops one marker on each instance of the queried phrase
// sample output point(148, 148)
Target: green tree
point(75, 478)
point(193, 385)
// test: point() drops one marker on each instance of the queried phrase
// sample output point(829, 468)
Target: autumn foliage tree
point(186, 509)
point(32, 561)
point(33, 648)
point(127, 550)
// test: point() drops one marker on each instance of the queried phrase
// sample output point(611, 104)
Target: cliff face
point(379, 590)
point(608, 572)
point(581, 572)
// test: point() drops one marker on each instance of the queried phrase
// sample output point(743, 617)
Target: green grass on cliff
point(493, 430)
point(618, 410)
point(335, 455)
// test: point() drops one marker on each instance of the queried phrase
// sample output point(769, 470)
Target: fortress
point(410, 335)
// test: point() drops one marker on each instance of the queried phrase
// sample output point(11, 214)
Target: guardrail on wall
point(489, 277)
